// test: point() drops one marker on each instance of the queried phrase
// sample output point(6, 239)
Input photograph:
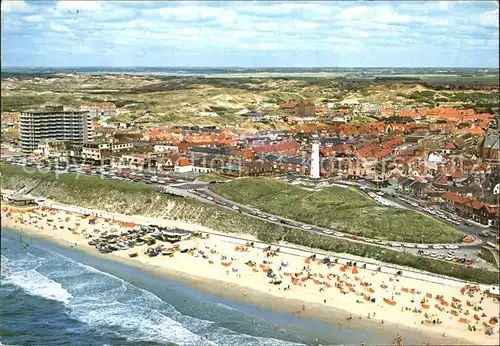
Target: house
point(420, 189)
point(471, 209)
point(305, 109)
point(209, 151)
point(97, 153)
point(168, 162)
point(99, 109)
point(183, 165)
point(135, 162)
point(283, 164)
point(287, 148)
point(54, 148)
point(489, 146)
point(163, 148)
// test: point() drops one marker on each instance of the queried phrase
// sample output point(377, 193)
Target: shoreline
point(254, 296)
point(262, 300)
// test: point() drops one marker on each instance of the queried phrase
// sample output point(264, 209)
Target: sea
point(51, 295)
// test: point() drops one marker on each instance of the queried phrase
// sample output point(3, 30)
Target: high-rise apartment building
point(54, 123)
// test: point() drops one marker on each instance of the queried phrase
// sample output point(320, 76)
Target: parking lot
point(446, 252)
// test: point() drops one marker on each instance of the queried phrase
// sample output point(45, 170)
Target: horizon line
point(264, 67)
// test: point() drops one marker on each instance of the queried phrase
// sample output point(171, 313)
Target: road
point(181, 188)
point(468, 252)
point(466, 226)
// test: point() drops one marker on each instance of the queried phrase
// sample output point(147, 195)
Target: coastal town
point(409, 190)
point(284, 173)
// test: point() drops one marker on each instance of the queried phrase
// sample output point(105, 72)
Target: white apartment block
point(53, 123)
point(99, 109)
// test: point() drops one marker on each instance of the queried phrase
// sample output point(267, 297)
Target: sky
point(250, 34)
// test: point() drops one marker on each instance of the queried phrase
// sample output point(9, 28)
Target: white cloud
point(81, 6)
point(300, 24)
point(14, 6)
point(283, 9)
point(268, 46)
point(59, 27)
point(84, 49)
point(489, 18)
point(188, 13)
point(353, 12)
point(266, 26)
point(34, 18)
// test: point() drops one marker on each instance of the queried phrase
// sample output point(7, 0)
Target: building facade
point(53, 123)
point(305, 109)
point(99, 109)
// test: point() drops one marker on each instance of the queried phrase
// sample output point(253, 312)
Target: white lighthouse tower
point(315, 171)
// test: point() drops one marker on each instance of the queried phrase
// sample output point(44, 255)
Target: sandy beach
point(419, 312)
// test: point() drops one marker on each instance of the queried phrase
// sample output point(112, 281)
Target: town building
point(50, 149)
point(97, 153)
point(99, 109)
point(489, 146)
point(305, 109)
point(53, 123)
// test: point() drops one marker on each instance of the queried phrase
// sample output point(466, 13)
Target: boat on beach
point(132, 255)
point(168, 252)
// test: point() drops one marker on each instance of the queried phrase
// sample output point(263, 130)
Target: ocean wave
point(108, 304)
point(34, 283)
point(136, 323)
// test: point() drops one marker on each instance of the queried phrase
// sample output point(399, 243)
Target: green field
point(337, 208)
point(208, 177)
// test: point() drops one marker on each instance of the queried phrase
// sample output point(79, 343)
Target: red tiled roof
point(393, 142)
point(455, 198)
point(382, 153)
point(249, 154)
point(183, 162)
point(457, 174)
point(472, 130)
point(462, 200)
point(276, 148)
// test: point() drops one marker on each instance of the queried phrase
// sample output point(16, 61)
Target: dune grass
point(341, 209)
point(142, 199)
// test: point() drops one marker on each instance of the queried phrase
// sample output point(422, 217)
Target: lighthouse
point(315, 161)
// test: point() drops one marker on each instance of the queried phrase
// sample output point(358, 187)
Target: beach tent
point(390, 302)
point(494, 291)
